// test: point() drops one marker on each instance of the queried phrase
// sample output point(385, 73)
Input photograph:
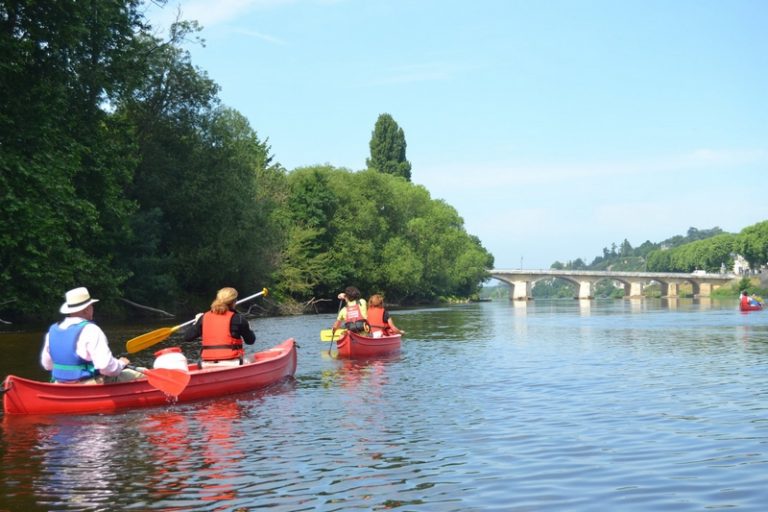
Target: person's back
point(379, 319)
point(354, 314)
point(222, 331)
point(744, 299)
point(76, 350)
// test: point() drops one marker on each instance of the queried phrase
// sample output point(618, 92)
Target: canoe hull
point(25, 396)
point(750, 307)
point(356, 346)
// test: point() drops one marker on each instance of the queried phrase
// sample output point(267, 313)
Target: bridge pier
point(633, 289)
point(704, 289)
point(521, 290)
point(585, 289)
point(670, 289)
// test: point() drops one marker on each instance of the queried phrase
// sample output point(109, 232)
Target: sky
point(554, 128)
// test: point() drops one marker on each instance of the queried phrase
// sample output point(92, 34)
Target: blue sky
point(555, 128)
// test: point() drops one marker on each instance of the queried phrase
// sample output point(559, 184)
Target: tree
point(388, 148)
point(65, 161)
point(625, 249)
point(752, 244)
point(205, 184)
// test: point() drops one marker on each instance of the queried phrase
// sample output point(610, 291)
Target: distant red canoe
point(750, 307)
point(356, 346)
point(24, 396)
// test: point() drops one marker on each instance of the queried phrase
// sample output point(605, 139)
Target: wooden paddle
point(158, 335)
point(169, 381)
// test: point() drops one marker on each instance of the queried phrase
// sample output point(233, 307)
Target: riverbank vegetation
point(122, 171)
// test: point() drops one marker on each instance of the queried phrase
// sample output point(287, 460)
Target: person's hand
point(342, 295)
point(125, 361)
point(197, 317)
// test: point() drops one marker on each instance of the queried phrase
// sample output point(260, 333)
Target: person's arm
point(45, 356)
point(92, 346)
point(239, 328)
point(195, 330)
point(390, 323)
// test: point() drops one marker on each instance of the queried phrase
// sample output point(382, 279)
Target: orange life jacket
point(376, 319)
point(218, 343)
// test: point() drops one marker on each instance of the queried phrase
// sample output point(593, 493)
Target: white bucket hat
point(77, 300)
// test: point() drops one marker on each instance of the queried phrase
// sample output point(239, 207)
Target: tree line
point(122, 171)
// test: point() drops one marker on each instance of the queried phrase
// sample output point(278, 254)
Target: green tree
point(305, 269)
point(625, 249)
point(388, 148)
point(206, 186)
point(752, 244)
point(65, 161)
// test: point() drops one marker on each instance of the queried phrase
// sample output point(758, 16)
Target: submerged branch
point(141, 306)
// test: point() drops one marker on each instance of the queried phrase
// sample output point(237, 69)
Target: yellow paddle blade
point(326, 334)
point(149, 339)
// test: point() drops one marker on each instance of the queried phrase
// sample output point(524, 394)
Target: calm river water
point(546, 406)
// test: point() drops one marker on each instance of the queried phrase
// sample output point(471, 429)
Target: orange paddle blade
point(169, 381)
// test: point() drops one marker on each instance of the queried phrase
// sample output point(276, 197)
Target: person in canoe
point(379, 319)
point(76, 350)
point(354, 314)
point(223, 332)
point(744, 299)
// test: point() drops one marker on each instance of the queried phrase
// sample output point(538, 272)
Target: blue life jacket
point(67, 365)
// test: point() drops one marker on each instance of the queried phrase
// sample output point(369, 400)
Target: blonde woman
point(223, 331)
point(379, 320)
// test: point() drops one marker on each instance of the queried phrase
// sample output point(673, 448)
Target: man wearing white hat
point(76, 349)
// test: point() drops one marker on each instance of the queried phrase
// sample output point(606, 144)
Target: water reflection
point(73, 460)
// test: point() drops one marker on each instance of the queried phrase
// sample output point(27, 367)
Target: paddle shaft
point(158, 335)
point(262, 292)
point(333, 333)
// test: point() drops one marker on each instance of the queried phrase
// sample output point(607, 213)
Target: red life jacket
point(353, 317)
point(354, 314)
point(745, 300)
point(218, 343)
point(376, 319)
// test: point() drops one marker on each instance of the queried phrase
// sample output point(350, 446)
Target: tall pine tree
point(388, 148)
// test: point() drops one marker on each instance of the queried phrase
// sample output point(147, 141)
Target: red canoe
point(24, 396)
point(750, 307)
point(356, 346)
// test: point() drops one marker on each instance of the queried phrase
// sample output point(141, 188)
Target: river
point(631, 405)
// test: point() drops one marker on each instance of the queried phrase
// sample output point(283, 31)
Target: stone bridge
point(522, 281)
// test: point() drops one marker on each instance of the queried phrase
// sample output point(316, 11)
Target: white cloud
point(258, 35)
